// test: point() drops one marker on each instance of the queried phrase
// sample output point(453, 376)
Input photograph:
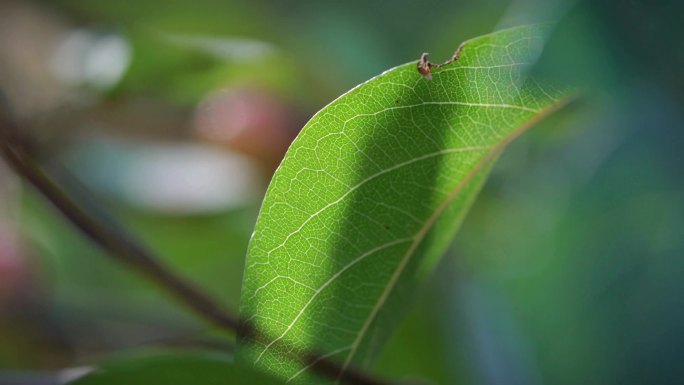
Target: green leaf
point(174, 369)
point(371, 193)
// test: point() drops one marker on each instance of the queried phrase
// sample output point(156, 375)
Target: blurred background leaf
point(150, 368)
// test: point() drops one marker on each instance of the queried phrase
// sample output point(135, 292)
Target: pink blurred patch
point(13, 267)
point(248, 120)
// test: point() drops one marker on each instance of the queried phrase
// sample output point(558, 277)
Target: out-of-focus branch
point(20, 155)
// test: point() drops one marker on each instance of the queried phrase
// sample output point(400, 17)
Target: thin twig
point(19, 154)
point(121, 246)
point(425, 66)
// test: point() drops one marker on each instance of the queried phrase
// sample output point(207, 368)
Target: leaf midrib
point(420, 235)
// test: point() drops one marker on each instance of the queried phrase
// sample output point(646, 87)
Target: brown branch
point(121, 246)
point(20, 155)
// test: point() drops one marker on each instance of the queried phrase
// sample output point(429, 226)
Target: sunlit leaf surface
point(370, 194)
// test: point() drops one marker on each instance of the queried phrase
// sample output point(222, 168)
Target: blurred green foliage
point(163, 368)
point(568, 269)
